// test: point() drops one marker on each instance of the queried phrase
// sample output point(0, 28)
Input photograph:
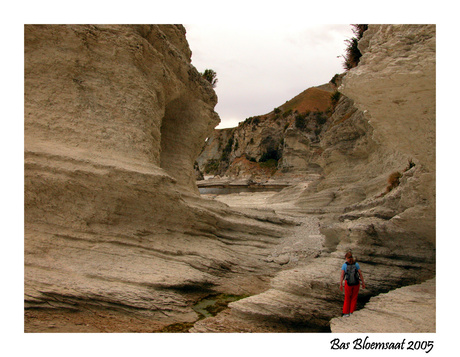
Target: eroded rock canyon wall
point(114, 119)
point(395, 84)
point(289, 135)
point(376, 194)
point(129, 93)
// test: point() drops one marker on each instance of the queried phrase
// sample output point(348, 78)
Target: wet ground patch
point(212, 305)
point(207, 307)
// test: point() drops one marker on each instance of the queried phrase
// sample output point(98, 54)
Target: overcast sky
point(259, 67)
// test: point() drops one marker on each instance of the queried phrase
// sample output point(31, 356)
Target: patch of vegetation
point(335, 97)
point(334, 79)
point(211, 76)
point(287, 113)
point(352, 52)
point(393, 181)
point(227, 150)
point(213, 304)
point(219, 142)
point(277, 110)
point(320, 118)
point(222, 302)
point(212, 166)
point(300, 121)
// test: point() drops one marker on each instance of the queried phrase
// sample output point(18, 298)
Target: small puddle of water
point(212, 305)
point(207, 307)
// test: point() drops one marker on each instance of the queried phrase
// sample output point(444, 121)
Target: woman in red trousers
point(351, 287)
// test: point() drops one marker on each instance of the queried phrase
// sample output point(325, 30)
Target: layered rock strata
point(130, 93)
point(376, 195)
point(114, 119)
point(282, 144)
point(395, 84)
point(411, 308)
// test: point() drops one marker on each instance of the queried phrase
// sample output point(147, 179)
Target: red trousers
point(351, 298)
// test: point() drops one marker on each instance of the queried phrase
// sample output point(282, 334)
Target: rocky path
point(293, 252)
point(411, 308)
point(304, 240)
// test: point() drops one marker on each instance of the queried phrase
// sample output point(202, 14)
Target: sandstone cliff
point(130, 93)
point(114, 119)
point(376, 193)
point(399, 67)
point(279, 144)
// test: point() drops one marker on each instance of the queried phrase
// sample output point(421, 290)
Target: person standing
point(351, 273)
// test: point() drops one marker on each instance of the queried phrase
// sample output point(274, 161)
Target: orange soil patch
point(312, 99)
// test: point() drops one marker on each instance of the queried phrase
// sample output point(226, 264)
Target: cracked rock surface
point(411, 308)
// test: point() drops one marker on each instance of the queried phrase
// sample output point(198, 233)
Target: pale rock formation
point(274, 135)
point(214, 146)
point(360, 157)
point(411, 308)
point(389, 228)
point(402, 107)
point(114, 119)
point(298, 153)
point(112, 215)
point(395, 83)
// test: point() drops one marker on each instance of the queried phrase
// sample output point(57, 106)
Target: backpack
point(352, 274)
